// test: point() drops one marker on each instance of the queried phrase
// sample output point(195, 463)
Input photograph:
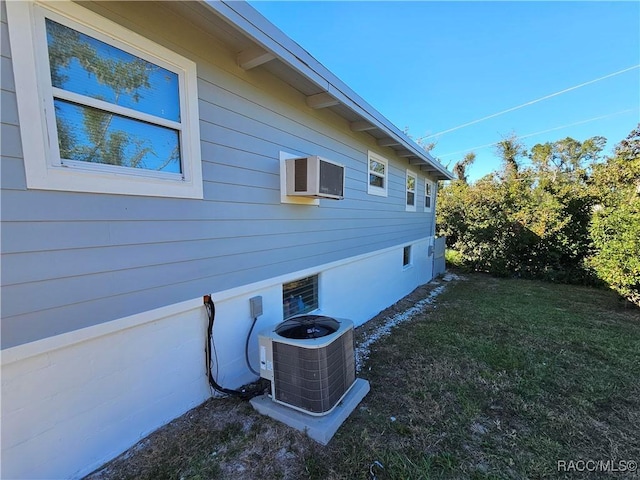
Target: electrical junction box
point(255, 304)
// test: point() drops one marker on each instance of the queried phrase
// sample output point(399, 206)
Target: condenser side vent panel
point(314, 379)
point(310, 362)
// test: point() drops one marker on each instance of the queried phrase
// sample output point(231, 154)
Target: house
point(144, 150)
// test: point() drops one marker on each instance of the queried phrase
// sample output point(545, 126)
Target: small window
point(378, 175)
point(406, 256)
point(411, 191)
point(109, 111)
point(428, 195)
point(300, 296)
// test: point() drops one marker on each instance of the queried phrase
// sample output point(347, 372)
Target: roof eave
point(268, 37)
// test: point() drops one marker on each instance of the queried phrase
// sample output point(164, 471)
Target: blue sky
point(433, 66)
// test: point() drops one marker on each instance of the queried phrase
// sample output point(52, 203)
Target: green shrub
point(453, 258)
point(615, 228)
point(616, 235)
point(535, 222)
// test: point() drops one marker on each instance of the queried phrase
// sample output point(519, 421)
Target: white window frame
point(372, 189)
point(428, 184)
point(316, 306)
point(409, 264)
point(411, 208)
point(43, 166)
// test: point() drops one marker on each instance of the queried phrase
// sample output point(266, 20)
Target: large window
point(378, 175)
point(412, 180)
point(300, 296)
point(116, 118)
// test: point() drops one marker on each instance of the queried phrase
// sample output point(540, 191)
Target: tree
point(510, 149)
point(531, 222)
point(615, 228)
point(561, 170)
point(460, 168)
point(567, 159)
point(569, 217)
point(421, 141)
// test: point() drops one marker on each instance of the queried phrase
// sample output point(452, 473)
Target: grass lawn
point(500, 378)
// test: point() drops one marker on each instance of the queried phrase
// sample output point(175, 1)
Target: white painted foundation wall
point(71, 403)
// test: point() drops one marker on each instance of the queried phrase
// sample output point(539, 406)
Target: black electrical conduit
point(245, 393)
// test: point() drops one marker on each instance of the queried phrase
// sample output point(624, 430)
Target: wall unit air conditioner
point(315, 177)
point(310, 362)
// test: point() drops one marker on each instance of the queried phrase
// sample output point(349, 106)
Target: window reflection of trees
point(93, 135)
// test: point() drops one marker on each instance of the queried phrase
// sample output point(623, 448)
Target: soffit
point(241, 28)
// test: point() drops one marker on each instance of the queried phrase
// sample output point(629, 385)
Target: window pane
point(376, 181)
point(411, 198)
point(90, 135)
point(411, 183)
point(84, 65)
point(300, 296)
point(376, 167)
point(406, 256)
point(427, 187)
point(427, 202)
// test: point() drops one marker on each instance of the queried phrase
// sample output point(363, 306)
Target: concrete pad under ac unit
point(319, 428)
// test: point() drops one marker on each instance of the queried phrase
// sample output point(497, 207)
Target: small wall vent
point(315, 177)
point(309, 360)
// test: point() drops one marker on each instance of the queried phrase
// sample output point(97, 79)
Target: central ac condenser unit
point(310, 362)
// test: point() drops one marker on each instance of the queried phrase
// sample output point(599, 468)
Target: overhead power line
point(531, 102)
point(541, 132)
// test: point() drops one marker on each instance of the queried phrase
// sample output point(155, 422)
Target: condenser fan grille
point(308, 326)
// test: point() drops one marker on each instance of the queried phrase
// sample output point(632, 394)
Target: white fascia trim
point(33, 91)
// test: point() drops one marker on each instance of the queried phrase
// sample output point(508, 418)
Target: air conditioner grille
point(314, 379)
point(331, 179)
point(300, 181)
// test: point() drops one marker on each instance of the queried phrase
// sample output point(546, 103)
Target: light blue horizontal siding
point(11, 146)
point(6, 73)
point(5, 51)
point(12, 173)
point(75, 289)
point(23, 268)
point(9, 108)
point(71, 260)
point(228, 109)
point(61, 207)
point(25, 237)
